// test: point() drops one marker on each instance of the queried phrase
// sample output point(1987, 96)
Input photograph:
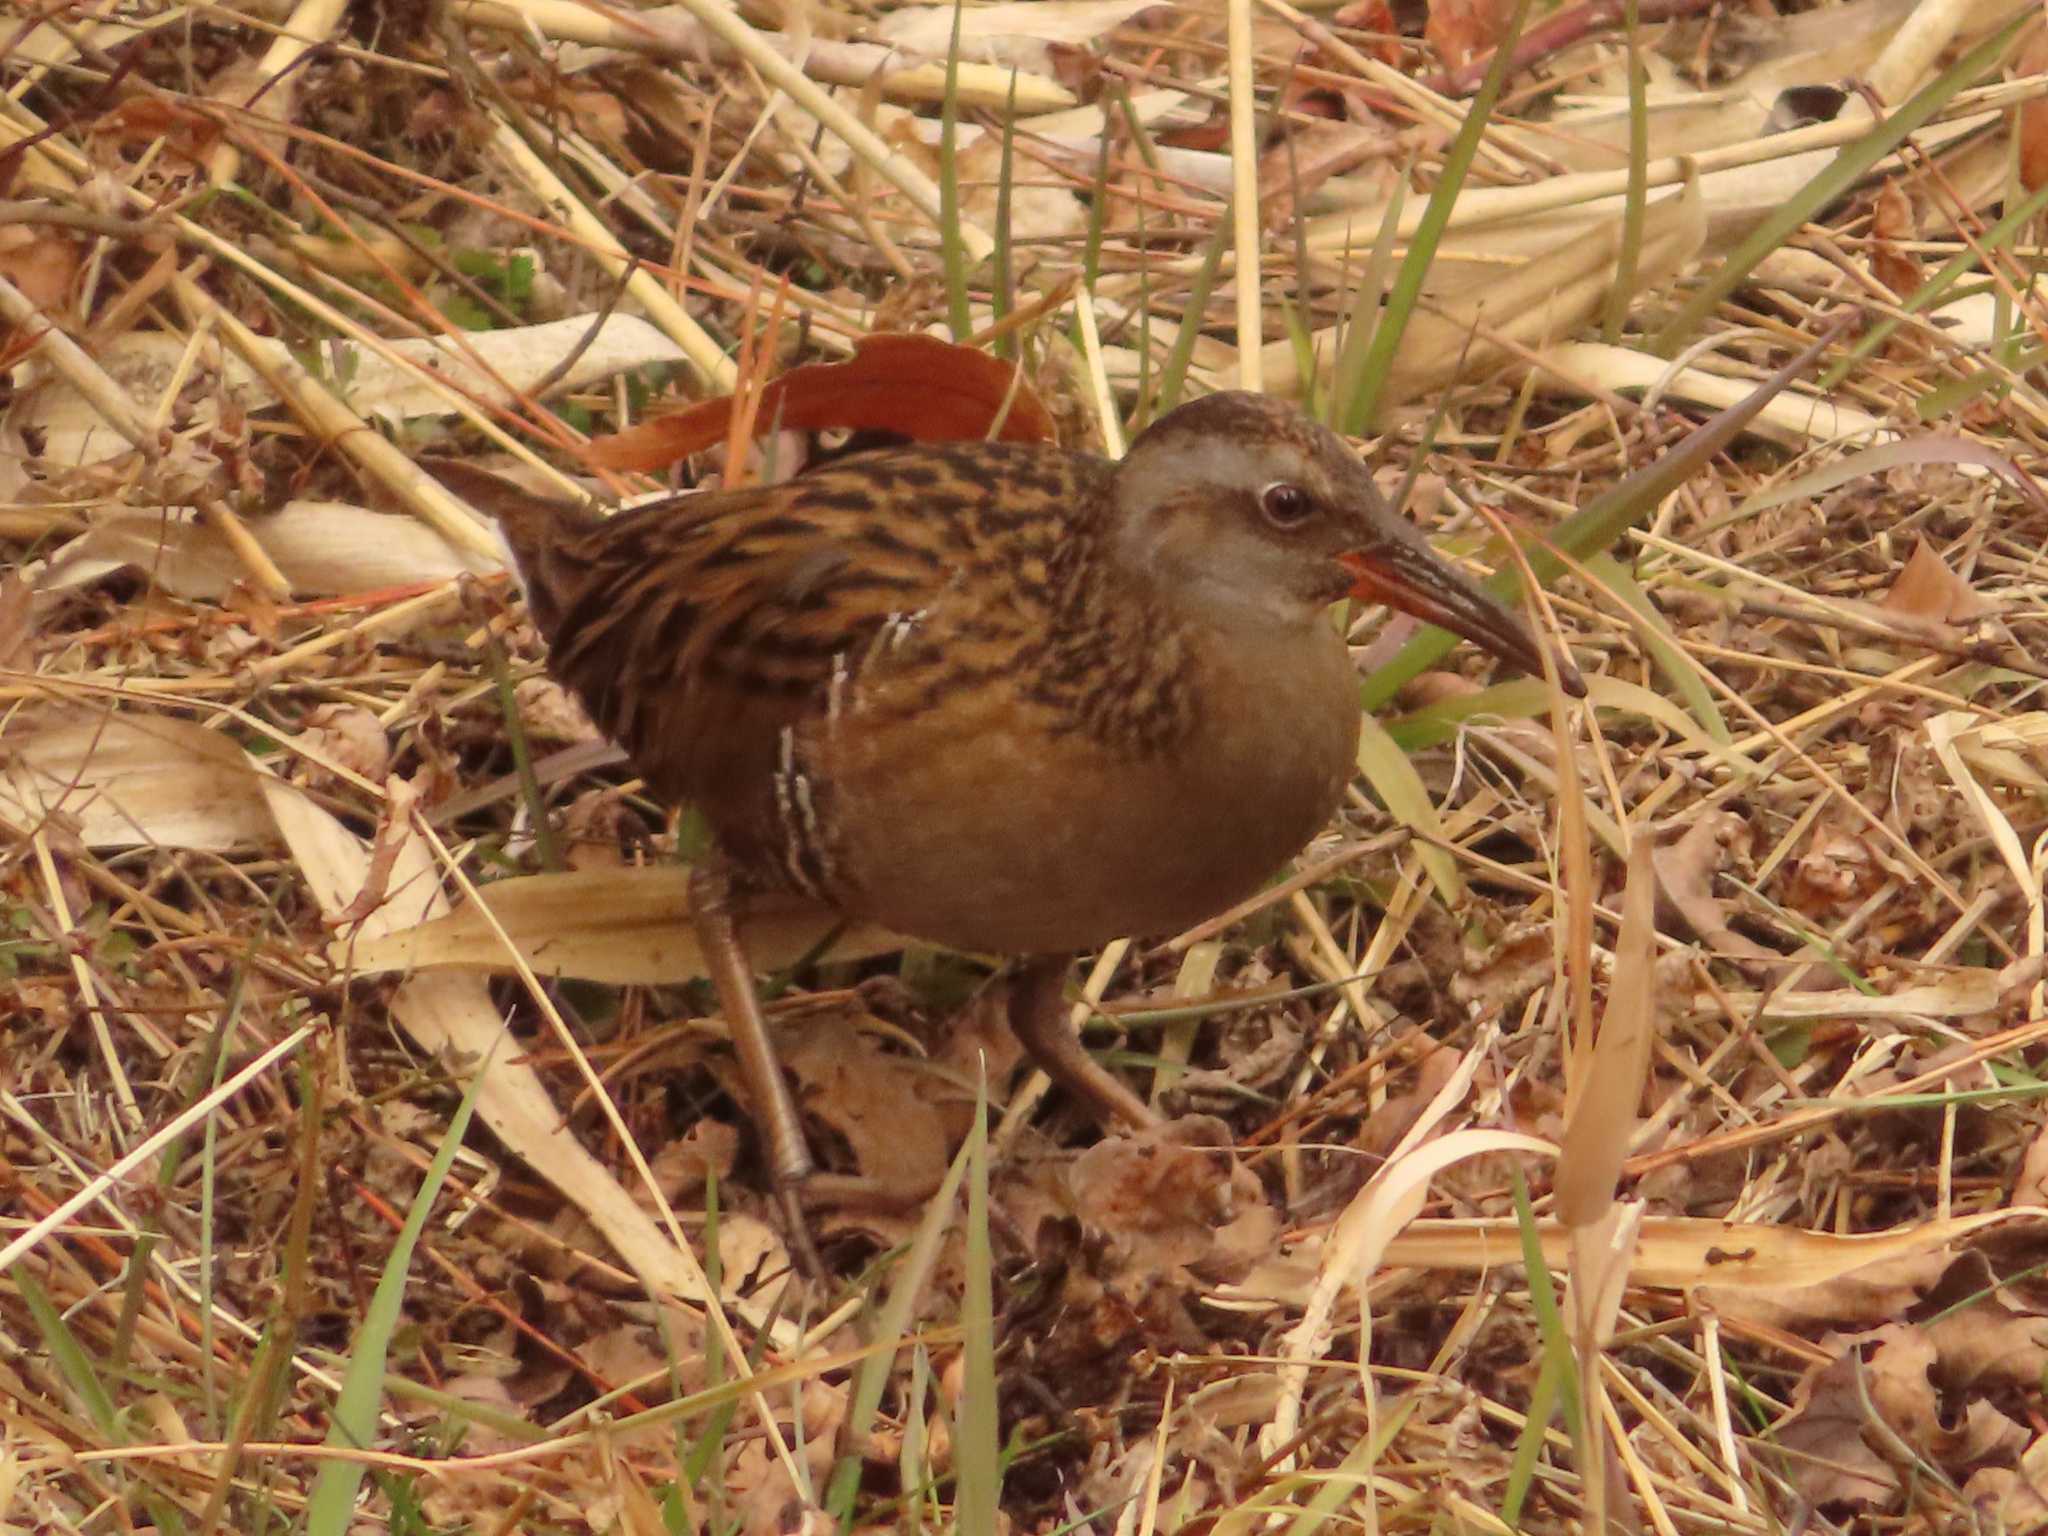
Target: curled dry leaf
point(633, 1352)
point(345, 736)
point(394, 832)
point(54, 1006)
point(549, 712)
point(1883, 1373)
point(709, 1149)
point(593, 826)
point(1172, 1200)
point(1397, 1115)
point(1256, 1052)
point(1855, 1297)
point(2031, 1186)
point(757, 1482)
point(1927, 589)
point(1495, 977)
point(43, 267)
point(1462, 31)
point(2008, 1498)
point(877, 1102)
point(1985, 1333)
point(1922, 799)
point(1837, 870)
point(1887, 1376)
point(977, 1041)
point(1685, 879)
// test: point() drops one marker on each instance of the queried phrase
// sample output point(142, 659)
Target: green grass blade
point(1521, 1478)
point(1347, 381)
point(1436, 218)
point(1657, 635)
point(977, 1460)
point(1637, 196)
point(1949, 397)
point(1392, 775)
point(73, 1363)
point(952, 248)
point(893, 1322)
point(544, 844)
point(1098, 204)
point(1557, 1381)
point(330, 1509)
point(1004, 288)
point(1301, 315)
point(1173, 373)
point(1333, 1493)
point(135, 1281)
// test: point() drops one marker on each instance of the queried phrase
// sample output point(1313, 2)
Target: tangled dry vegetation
point(1766, 1255)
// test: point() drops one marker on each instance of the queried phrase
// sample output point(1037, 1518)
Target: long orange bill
point(1417, 582)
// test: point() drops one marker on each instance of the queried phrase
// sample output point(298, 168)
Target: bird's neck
point(1133, 660)
point(1118, 659)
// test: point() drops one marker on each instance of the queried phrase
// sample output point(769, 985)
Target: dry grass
point(271, 709)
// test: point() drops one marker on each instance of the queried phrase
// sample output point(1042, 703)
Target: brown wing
point(699, 630)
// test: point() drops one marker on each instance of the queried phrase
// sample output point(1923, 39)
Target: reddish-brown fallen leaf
point(1208, 137)
point(185, 131)
point(1928, 589)
point(2030, 125)
point(1373, 17)
point(43, 266)
point(1461, 30)
point(1891, 231)
point(929, 390)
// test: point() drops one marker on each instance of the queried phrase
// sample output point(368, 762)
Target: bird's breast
point(982, 820)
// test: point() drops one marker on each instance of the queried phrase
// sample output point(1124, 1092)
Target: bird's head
point(1241, 504)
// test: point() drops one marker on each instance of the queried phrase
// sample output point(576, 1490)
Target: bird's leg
point(775, 1114)
point(1038, 1018)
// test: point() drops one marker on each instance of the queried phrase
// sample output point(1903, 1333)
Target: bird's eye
point(1286, 506)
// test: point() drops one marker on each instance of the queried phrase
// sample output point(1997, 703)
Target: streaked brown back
point(697, 628)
